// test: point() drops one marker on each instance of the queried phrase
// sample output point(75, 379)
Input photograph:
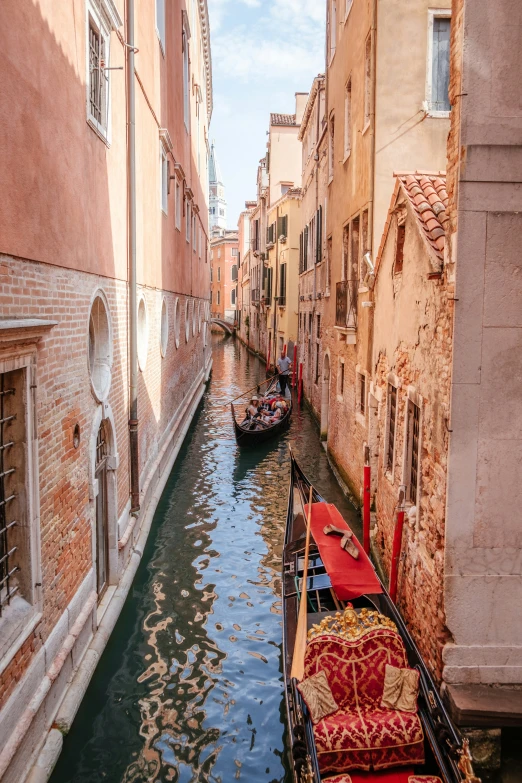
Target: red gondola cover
point(350, 578)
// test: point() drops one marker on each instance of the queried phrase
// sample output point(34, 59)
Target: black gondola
point(251, 432)
point(331, 621)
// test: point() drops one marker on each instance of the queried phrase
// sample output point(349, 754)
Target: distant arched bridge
point(228, 326)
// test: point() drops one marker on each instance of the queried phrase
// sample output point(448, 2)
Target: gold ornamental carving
point(351, 625)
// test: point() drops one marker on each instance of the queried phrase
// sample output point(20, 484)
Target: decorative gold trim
point(466, 765)
point(351, 625)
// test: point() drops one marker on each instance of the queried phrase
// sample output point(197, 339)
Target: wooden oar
point(302, 630)
point(254, 388)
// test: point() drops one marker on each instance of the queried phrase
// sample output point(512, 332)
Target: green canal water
point(189, 688)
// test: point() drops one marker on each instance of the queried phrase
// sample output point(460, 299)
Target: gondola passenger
point(252, 410)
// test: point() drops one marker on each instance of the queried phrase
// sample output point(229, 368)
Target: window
point(318, 333)
point(194, 233)
point(340, 379)
point(164, 179)
point(347, 8)
point(218, 297)
point(219, 274)
point(331, 139)
point(187, 320)
point(235, 252)
point(178, 206)
point(367, 80)
point(282, 226)
point(355, 250)
point(219, 252)
point(101, 17)
point(282, 285)
point(13, 459)
point(164, 332)
point(333, 27)
point(348, 119)
point(211, 274)
point(177, 322)
point(438, 64)
point(233, 272)
point(188, 220)
point(233, 297)
point(399, 248)
point(186, 80)
point(100, 348)
point(319, 236)
point(392, 420)
point(285, 189)
point(412, 452)
point(143, 334)
point(317, 347)
point(160, 23)
point(364, 242)
point(361, 395)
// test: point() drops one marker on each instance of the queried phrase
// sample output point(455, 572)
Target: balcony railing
point(346, 304)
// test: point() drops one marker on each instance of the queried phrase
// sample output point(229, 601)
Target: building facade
point(243, 287)
point(371, 134)
point(224, 262)
point(271, 319)
point(313, 269)
point(104, 325)
point(282, 274)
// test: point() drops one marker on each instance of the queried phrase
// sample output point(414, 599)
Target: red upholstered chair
point(353, 650)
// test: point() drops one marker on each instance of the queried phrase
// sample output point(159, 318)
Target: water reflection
point(189, 688)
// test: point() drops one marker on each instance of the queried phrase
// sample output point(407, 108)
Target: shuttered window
point(440, 64)
point(282, 285)
point(319, 236)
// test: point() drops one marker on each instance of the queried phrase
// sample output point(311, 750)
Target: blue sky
point(263, 52)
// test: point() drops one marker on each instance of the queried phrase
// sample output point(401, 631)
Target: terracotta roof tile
point(283, 119)
point(429, 199)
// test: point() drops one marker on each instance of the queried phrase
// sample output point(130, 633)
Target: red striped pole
point(397, 545)
point(366, 500)
point(294, 368)
point(284, 349)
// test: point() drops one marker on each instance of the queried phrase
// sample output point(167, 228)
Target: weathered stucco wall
point(412, 349)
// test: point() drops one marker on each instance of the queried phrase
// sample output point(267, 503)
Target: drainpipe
point(371, 205)
point(133, 309)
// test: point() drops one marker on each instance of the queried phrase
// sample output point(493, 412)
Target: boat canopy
point(350, 577)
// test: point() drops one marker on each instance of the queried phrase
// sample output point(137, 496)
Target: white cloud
point(263, 51)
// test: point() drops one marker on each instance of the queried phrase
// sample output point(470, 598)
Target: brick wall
point(64, 398)
point(455, 95)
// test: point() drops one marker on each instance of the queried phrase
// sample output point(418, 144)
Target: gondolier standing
point(283, 367)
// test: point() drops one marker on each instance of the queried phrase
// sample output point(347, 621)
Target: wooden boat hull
point(442, 740)
point(246, 437)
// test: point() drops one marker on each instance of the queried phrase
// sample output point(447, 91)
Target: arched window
point(100, 348)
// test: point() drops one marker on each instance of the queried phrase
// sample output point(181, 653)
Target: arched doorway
point(102, 515)
point(325, 397)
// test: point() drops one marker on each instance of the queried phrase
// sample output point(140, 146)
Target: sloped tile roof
point(429, 199)
point(282, 119)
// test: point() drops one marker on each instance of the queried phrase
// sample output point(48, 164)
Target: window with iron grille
point(392, 419)
point(413, 450)
point(13, 570)
point(98, 76)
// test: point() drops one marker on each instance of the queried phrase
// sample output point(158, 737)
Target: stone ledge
point(484, 705)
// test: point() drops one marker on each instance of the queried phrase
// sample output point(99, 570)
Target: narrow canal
point(189, 688)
